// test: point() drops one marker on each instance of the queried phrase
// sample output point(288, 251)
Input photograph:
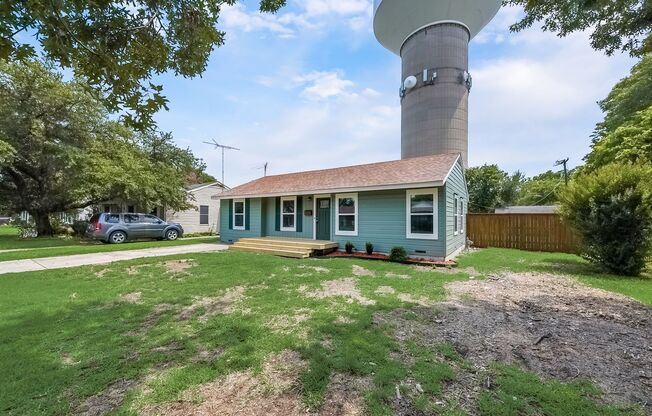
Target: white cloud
point(323, 85)
point(534, 100)
point(237, 17)
point(338, 7)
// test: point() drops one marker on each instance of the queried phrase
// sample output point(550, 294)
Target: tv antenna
point(564, 163)
point(264, 167)
point(223, 147)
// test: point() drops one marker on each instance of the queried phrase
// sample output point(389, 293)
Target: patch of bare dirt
point(286, 324)
point(385, 290)
point(67, 359)
point(552, 325)
point(274, 392)
point(225, 304)
point(132, 297)
point(108, 400)
point(317, 269)
point(346, 288)
point(447, 270)
point(102, 272)
point(397, 276)
point(361, 271)
point(178, 266)
point(344, 396)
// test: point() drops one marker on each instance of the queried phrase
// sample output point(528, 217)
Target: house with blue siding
point(417, 203)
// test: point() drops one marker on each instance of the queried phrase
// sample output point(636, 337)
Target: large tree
point(615, 24)
point(119, 45)
point(543, 189)
point(64, 152)
point(625, 134)
point(491, 188)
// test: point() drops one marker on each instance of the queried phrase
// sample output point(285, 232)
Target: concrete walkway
point(62, 262)
point(97, 243)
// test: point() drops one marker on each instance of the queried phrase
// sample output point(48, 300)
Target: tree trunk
point(43, 226)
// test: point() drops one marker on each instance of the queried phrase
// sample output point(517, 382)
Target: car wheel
point(171, 235)
point(117, 237)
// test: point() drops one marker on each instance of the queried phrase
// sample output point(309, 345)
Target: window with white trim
point(456, 216)
point(203, 214)
point(462, 216)
point(289, 213)
point(421, 211)
point(347, 214)
point(239, 214)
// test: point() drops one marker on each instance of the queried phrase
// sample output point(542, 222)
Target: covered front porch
point(286, 247)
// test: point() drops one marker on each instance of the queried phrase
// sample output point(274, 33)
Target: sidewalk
point(62, 262)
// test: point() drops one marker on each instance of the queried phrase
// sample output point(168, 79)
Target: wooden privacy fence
point(531, 232)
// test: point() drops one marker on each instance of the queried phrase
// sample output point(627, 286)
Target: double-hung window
point(239, 214)
point(347, 214)
point(456, 214)
point(289, 214)
point(422, 214)
point(203, 215)
point(462, 216)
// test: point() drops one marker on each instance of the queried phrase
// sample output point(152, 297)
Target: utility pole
point(564, 162)
point(223, 147)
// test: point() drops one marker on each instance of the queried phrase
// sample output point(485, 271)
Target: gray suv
point(118, 228)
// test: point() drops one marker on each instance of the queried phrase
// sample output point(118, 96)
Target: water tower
point(432, 38)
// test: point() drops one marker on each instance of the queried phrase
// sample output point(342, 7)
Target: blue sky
point(311, 88)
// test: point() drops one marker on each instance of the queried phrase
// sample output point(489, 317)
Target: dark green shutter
point(278, 214)
point(247, 209)
point(230, 214)
point(299, 214)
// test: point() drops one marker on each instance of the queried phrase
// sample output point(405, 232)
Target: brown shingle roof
point(427, 170)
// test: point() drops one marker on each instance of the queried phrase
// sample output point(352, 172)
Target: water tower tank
point(432, 38)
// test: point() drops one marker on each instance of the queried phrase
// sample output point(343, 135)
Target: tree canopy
point(623, 25)
point(543, 189)
point(491, 188)
point(64, 152)
point(625, 134)
point(118, 46)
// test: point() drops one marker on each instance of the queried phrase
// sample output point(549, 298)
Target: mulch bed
point(385, 257)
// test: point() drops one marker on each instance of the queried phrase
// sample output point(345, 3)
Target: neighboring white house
point(205, 217)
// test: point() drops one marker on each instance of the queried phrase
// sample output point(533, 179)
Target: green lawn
point(65, 335)
point(9, 240)
point(31, 248)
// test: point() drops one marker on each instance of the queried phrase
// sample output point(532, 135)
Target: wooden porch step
point(303, 254)
point(285, 247)
point(283, 242)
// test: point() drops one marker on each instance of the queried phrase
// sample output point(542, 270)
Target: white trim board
point(435, 184)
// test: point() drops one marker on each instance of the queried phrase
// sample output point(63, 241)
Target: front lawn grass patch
point(72, 334)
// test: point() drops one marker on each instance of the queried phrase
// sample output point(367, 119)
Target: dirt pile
point(549, 324)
